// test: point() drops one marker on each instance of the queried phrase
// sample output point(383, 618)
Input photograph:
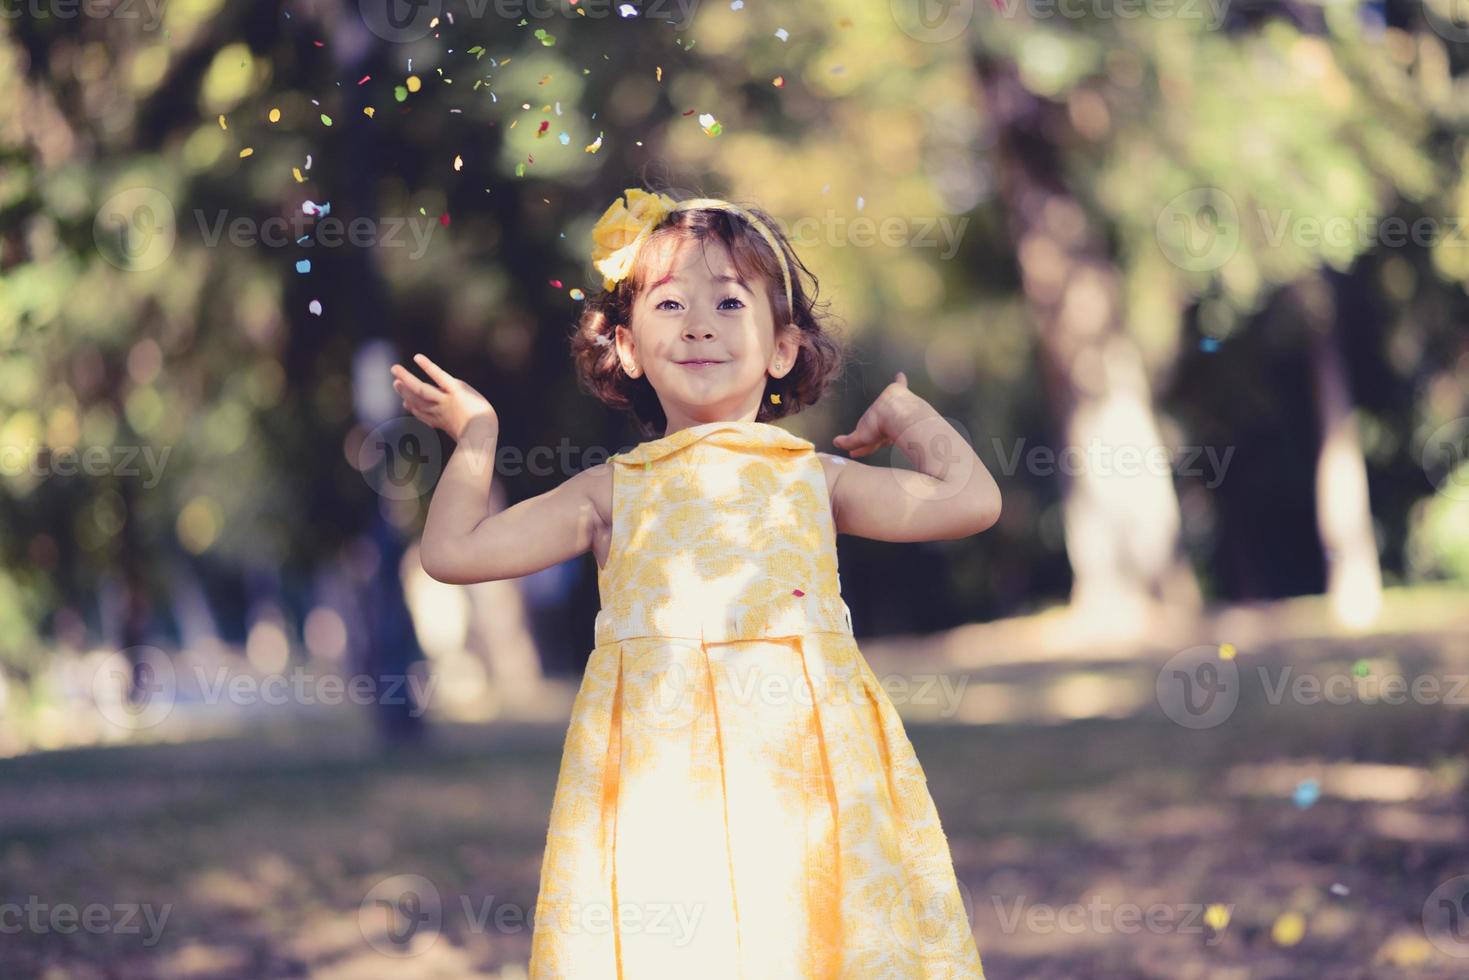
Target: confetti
point(247, 151)
point(1208, 344)
point(1362, 668)
point(595, 144)
point(710, 125)
point(737, 5)
point(1227, 651)
point(783, 34)
point(413, 83)
point(861, 203)
point(555, 283)
point(797, 593)
point(1307, 792)
point(774, 398)
point(578, 295)
point(780, 81)
point(657, 73)
point(400, 93)
point(222, 124)
point(296, 172)
point(325, 119)
point(315, 307)
point(444, 219)
point(545, 37)
point(1216, 917)
point(275, 115)
point(1340, 890)
point(303, 266)
point(564, 139)
point(1289, 929)
point(627, 10)
point(369, 111)
point(458, 162)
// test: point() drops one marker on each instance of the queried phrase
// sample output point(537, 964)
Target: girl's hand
point(884, 420)
point(448, 403)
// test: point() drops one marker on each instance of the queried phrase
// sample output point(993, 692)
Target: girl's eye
point(663, 304)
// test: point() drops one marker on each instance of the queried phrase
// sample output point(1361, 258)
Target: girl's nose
point(697, 333)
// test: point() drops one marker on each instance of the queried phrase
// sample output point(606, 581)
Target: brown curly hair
point(819, 361)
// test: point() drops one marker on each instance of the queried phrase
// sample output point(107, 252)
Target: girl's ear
point(627, 350)
point(787, 346)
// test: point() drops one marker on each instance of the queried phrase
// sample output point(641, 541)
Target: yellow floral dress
point(737, 797)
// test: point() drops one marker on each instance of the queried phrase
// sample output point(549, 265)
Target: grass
point(264, 849)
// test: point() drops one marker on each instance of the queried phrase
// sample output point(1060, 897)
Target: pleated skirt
point(744, 809)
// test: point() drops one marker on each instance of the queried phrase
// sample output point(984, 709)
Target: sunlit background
point(1191, 277)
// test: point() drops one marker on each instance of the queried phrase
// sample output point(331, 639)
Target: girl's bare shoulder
point(831, 466)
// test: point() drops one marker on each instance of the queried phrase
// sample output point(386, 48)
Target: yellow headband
point(621, 230)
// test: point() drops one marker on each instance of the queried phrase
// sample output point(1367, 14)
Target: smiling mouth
point(700, 363)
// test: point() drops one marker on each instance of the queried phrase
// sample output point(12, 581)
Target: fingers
point(412, 385)
point(444, 379)
point(863, 439)
point(902, 379)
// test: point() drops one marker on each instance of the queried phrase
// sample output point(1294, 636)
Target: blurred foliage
point(124, 327)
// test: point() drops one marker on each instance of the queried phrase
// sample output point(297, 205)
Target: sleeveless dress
point(737, 797)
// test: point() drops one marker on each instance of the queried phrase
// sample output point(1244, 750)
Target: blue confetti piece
point(1308, 791)
point(565, 138)
point(303, 266)
point(1208, 344)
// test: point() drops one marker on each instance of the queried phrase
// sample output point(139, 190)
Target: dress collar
point(734, 434)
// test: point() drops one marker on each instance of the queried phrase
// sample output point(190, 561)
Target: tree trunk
point(1343, 513)
point(1121, 512)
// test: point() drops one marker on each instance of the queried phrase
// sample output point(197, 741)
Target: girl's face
point(705, 339)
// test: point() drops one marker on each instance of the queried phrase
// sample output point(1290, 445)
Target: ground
point(1087, 848)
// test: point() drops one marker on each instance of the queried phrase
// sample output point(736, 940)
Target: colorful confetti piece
point(1307, 792)
point(315, 307)
point(303, 266)
point(1289, 929)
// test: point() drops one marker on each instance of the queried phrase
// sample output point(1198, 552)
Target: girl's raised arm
point(952, 495)
point(462, 541)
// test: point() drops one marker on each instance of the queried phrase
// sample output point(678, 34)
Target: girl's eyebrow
point(674, 278)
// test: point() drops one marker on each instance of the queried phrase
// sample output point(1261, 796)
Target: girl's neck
point(674, 425)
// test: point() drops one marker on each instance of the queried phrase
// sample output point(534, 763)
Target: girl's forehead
point(686, 257)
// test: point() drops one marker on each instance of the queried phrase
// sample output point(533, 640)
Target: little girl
point(737, 796)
